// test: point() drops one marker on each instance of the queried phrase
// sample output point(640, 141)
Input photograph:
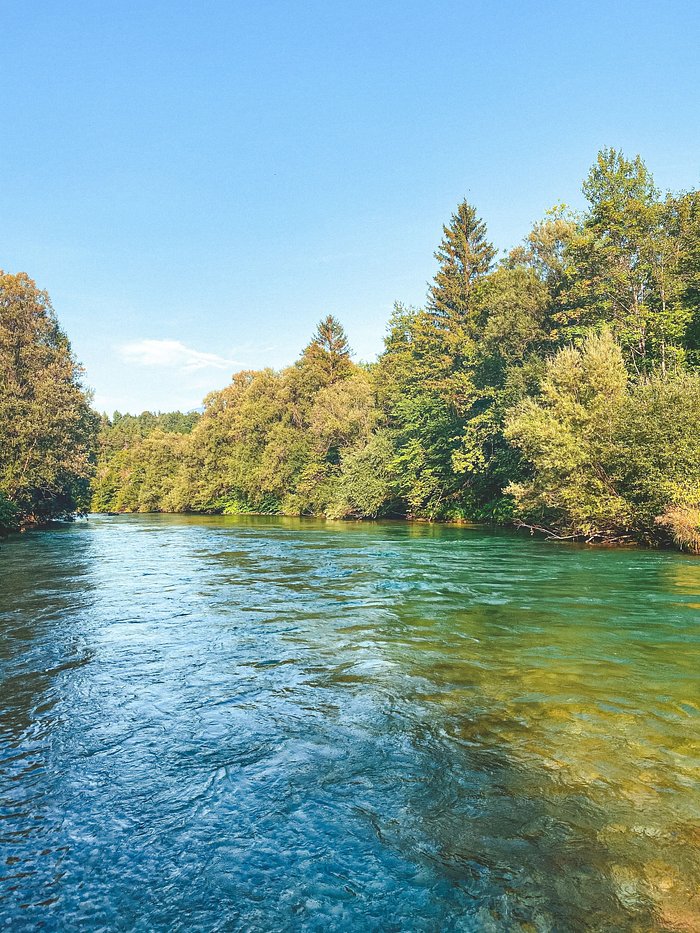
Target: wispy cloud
point(172, 354)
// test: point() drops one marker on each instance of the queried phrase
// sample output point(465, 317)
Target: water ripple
point(270, 724)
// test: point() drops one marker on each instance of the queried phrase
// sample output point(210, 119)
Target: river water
point(270, 724)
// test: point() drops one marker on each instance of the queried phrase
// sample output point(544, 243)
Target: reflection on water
point(269, 724)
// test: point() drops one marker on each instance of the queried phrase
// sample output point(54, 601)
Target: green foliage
point(512, 321)
point(608, 455)
point(47, 428)
point(367, 485)
point(269, 442)
point(565, 434)
point(343, 414)
point(425, 435)
point(656, 453)
point(464, 256)
point(626, 264)
point(9, 515)
point(556, 387)
point(327, 357)
point(139, 459)
point(688, 271)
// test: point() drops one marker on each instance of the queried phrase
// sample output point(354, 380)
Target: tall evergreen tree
point(464, 256)
point(327, 357)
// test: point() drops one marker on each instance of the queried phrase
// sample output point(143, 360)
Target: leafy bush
point(9, 515)
point(608, 456)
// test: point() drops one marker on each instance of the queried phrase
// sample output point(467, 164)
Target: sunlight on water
point(271, 724)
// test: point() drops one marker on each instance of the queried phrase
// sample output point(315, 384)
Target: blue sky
point(196, 184)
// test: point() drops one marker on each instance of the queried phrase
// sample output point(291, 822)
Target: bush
point(566, 437)
point(365, 487)
point(9, 515)
point(683, 523)
point(609, 458)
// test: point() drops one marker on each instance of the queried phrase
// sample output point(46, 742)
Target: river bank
point(690, 544)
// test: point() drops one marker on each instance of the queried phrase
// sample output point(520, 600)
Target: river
point(270, 724)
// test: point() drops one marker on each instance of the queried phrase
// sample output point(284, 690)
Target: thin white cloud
point(172, 354)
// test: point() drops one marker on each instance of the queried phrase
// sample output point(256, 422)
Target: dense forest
point(557, 387)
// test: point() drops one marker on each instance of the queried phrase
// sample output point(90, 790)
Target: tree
point(343, 414)
point(425, 375)
point(565, 435)
point(464, 256)
point(367, 485)
point(327, 358)
point(547, 249)
point(511, 311)
point(625, 264)
point(47, 428)
point(610, 457)
point(688, 270)
point(655, 453)
point(556, 387)
point(420, 393)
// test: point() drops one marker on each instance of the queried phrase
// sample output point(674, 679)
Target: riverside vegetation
point(557, 387)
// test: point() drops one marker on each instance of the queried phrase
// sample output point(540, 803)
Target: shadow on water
point(44, 580)
point(556, 772)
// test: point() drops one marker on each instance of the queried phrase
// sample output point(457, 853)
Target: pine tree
point(327, 357)
point(464, 255)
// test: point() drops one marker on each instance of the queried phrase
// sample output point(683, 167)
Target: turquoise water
point(269, 724)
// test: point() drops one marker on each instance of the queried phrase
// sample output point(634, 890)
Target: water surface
point(269, 724)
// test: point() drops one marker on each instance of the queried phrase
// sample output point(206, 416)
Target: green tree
point(610, 457)
point(555, 387)
point(687, 209)
point(511, 311)
point(625, 264)
point(566, 436)
point(47, 428)
point(547, 250)
point(420, 392)
point(367, 484)
point(464, 256)
point(327, 358)
point(343, 415)
point(425, 377)
point(655, 451)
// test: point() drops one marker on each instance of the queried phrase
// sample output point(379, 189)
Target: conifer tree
point(327, 357)
point(464, 255)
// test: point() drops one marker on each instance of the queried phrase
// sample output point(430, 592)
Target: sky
point(197, 184)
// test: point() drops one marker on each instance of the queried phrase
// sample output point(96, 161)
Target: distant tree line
point(557, 388)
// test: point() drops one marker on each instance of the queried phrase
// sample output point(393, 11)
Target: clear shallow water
point(269, 724)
